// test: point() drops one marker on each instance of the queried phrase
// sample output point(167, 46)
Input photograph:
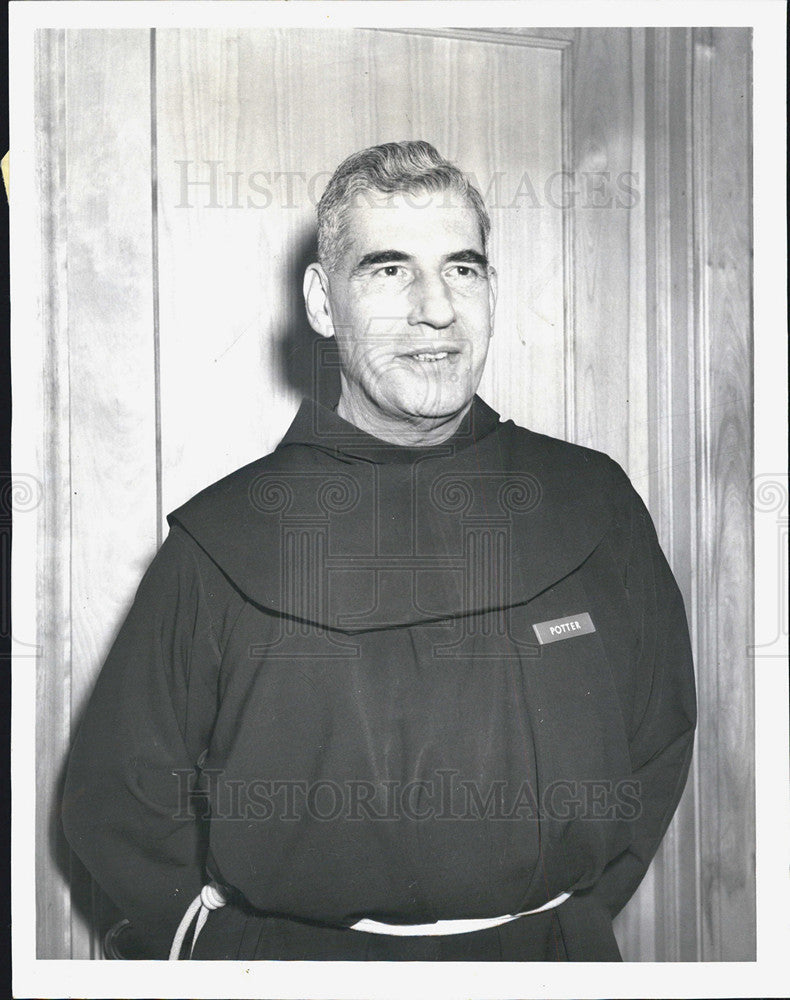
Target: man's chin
point(431, 411)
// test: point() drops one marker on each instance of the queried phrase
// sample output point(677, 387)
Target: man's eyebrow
point(467, 257)
point(380, 257)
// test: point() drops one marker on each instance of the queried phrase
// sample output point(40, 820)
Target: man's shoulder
point(259, 484)
point(240, 490)
point(529, 448)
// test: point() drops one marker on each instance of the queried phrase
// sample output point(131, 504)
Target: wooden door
point(176, 347)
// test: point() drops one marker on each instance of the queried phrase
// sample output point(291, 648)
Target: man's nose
point(431, 302)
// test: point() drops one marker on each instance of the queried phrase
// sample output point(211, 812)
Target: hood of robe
point(342, 530)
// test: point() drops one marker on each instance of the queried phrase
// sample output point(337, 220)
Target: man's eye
point(391, 270)
point(464, 272)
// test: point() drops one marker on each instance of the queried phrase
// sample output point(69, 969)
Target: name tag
point(563, 628)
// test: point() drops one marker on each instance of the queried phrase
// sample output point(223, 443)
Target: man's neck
point(417, 432)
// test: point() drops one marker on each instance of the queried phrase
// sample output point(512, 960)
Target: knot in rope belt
point(211, 897)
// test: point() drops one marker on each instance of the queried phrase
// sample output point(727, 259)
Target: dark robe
point(330, 696)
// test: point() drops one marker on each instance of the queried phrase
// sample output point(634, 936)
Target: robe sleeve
point(126, 809)
point(664, 714)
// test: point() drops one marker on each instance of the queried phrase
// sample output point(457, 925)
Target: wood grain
point(53, 582)
point(724, 435)
point(671, 471)
point(110, 343)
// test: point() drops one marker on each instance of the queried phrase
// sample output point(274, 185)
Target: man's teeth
point(439, 356)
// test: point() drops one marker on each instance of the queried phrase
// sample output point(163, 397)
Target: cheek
point(381, 313)
point(476, 322)
point(375, 313)
point(370, 355)
point(474, 305)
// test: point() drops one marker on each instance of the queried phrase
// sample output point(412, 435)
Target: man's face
point(411, 305)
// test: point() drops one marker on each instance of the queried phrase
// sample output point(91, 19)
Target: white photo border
point(768, 976)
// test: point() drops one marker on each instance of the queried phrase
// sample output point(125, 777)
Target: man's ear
point(492, 294)
point(316, 300)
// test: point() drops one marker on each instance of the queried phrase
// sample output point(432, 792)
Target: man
point(415, 686)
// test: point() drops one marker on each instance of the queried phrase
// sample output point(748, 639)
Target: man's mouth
point(439, 356)
point(427, 355)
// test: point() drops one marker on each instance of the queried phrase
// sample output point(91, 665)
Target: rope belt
point(211, 897)
point(441, 927)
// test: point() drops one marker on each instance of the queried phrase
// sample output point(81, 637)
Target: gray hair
point(408, 167)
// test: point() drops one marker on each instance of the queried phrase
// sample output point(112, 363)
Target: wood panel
point(608, 143)
point(53, 583)
point(721, 130)
point(110, 296)
point(672, 469)
point(101, 526)
point(243, 109)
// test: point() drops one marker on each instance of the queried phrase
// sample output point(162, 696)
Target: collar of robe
point(342, 530)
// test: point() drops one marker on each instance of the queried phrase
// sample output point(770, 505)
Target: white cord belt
point(441, 927)
point(211, 897)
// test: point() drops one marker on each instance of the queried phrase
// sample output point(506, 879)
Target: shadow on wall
point(308, 363)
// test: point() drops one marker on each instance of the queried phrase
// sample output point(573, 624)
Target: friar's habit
point(407, 684)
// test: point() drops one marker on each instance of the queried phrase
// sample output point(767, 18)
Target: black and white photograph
point(399, 500)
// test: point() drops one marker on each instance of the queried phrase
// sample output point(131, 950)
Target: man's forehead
point(427, 217)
